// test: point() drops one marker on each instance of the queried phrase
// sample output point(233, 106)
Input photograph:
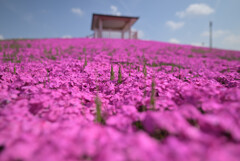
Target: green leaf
point(14, 70)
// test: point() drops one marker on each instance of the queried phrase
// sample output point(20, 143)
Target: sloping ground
point(60, 100)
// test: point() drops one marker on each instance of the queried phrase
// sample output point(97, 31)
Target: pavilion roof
point(112, 22)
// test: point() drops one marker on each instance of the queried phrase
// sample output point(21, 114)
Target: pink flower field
point(118, 100)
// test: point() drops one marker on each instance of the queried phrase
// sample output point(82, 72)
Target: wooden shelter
point(109, 26)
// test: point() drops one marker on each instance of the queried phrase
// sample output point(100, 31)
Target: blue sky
point(177, 21)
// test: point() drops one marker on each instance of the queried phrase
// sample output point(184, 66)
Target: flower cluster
point(123, 100)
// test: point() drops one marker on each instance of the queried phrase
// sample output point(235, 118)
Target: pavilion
point(110, 26)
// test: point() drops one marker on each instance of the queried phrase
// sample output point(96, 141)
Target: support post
point(210, 34)
point(122, 35)
point(129, 33)
point(98, 33)
point(95, 33)
point(100, 28)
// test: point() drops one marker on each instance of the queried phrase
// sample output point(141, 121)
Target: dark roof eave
point(95, 14)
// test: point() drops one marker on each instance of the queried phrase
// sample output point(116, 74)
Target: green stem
point(119, 75)
point(145, 70)
point(112, 73)
point(152, 101)
point(98, 103)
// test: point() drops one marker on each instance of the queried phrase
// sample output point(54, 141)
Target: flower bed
point(104, 99)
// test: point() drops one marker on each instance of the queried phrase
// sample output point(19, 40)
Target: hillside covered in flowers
point(118, 100)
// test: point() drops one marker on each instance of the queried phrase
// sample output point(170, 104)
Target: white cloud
point(44, 11)
point(66, 36)
point(216, 33)
point(196, 9)
point(114, 10)
point(1, 37)
point(197, 44)
point(77, 11)
point(174, 40)
point(234, 39)
point(181, 14)
point(174, 25)
point(28, 17)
